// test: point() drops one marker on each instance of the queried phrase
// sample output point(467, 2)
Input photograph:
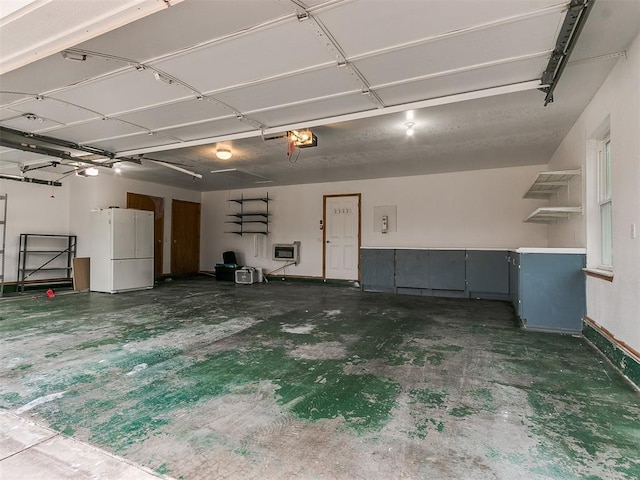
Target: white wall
point(479, 209)
point(613, 305)
point(32, 208)
point(105, 191)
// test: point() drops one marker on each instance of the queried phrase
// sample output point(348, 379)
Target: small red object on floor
point(50, 293)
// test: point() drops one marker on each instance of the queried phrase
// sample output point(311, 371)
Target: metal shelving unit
point(43, 252)
point(259, 220)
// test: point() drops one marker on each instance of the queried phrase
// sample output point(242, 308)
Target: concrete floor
point(203, 380)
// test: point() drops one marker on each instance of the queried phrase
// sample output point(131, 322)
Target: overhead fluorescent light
point(225, 170)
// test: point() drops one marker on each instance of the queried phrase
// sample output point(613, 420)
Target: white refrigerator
point(121, 250)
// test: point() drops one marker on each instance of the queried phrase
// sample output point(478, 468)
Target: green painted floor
point(199, 379)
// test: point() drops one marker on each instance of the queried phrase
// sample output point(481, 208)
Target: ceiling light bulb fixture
point(87, 172)
point(409, 114)
point(410, 126)
point(117, 168)
point(303, 138)
point(223, 153)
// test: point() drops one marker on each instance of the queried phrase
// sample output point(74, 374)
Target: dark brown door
point(155, 205)
point(185, 237)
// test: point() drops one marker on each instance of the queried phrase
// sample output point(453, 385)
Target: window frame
point(605, 202)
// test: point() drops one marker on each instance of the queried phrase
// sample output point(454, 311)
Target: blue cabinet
point(377, 270)
point(546, 286)
point(551, 292)
point(431, 272)
point(488, 274)
point(447, 271)
point(412, 269)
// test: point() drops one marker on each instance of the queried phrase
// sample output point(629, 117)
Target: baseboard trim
point(311, 279)
point(621, 355)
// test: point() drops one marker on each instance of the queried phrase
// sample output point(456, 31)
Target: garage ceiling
point(168, 81)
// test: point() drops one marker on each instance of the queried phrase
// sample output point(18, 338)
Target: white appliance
point(248, 275)
point(121, 250)
point(245, 275)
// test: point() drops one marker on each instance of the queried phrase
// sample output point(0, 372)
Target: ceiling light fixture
point(409, 114)
point(223, 153)
point(303, 138)
point(87, 172)
point(410, 126)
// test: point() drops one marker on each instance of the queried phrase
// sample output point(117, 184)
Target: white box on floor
point(245, 275)
point(248, 275)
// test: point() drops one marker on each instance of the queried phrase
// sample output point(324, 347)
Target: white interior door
point(342, 237)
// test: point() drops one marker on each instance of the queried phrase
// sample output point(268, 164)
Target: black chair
point(229, 258)
point(227, 270)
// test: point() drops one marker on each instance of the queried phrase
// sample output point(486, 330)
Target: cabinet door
point(447, 270)
point(377, 269)
point(412, 268)
point(552, 292)
point(487, 272)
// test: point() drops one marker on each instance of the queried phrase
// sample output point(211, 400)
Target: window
point(604, 200)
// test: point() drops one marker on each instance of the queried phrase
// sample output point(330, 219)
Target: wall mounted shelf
point(551, 214)
point(548, 183)
point(258, 219)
